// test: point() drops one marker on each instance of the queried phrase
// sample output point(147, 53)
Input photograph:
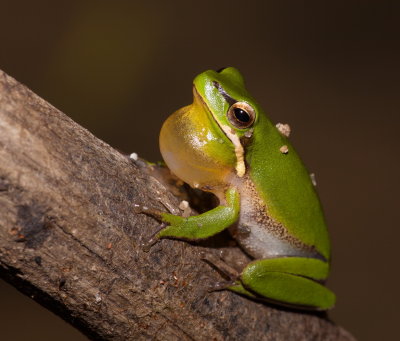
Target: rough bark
point(70, 239)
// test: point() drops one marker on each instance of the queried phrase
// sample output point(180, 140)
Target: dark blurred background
point(330, 69)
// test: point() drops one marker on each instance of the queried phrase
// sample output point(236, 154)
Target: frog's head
point(201, 143)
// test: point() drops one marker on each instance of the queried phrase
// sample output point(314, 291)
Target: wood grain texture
point(70, 239)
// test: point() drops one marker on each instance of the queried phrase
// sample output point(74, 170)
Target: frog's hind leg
point(292, 281)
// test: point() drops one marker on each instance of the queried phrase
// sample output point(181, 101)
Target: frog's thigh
point(203, 225)
point(290, 280)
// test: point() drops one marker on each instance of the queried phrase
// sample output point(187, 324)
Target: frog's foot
point(232, 282)
point(222, 267)
point(149, 243)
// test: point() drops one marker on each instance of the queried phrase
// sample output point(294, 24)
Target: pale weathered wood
point(70, 239)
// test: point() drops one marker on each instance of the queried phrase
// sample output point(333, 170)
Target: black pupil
point(241, 115)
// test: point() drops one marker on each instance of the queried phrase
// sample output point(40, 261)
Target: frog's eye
point(241, 115)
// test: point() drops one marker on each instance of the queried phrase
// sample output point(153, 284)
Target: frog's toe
point(223, 285)
point(147, 244)
point(140, 208)
point(221, 266)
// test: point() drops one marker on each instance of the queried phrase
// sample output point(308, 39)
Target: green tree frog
point(225, 144)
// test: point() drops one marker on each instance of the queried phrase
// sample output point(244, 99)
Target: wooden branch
point(70, 239)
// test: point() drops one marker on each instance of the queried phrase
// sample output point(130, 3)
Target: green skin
point(204, 148)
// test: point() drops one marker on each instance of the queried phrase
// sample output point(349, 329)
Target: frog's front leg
point(203, 225)
point(293, 281)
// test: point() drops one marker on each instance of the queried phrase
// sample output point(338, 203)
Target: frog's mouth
point(240, 166)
